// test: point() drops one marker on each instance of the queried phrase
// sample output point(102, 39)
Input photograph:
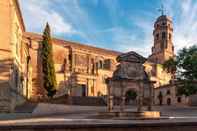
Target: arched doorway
point(168, 101)
point(131, 97)
point(84, 90)
point(160, 97)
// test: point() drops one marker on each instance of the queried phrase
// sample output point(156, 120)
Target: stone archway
point(131, 96)
point(168, 101)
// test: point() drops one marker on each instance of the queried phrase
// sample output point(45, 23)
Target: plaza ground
point(57, 117)
point(68, 113)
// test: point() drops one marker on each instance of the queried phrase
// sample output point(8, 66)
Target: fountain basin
point(131, 115)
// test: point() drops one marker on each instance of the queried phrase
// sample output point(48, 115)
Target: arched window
point(168, 92)
point(92, 66)
point(170, 36)
point(157, 36)
point(64, 65)
point(100, 64)
point(97, 65)
point(179, 99)
point(163, 35)
point(168, 101)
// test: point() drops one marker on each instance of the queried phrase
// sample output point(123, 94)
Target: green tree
point(48, 63)
point(185, 66)
point(170, 65)
point(187, 63)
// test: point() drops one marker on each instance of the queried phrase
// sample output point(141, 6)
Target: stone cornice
point(19, 14)
point(5, 50)
point(38, 37)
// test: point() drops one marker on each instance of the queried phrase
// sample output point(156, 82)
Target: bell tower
point(163, 48)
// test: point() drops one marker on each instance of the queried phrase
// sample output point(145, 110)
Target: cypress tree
point(49, 78)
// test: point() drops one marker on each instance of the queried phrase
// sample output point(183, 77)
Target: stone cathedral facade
point(164, 89)
point(81, 69)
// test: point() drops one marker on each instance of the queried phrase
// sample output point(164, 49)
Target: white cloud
point(74, 19)
point(125, 40)
point(184, 22)
point(69, 18)
point(37, 13)
point(185, 29)
point(81, 21)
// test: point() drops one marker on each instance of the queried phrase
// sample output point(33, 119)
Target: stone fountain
point(130, 75)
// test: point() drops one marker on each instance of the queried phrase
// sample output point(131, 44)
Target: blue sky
point(121, 25)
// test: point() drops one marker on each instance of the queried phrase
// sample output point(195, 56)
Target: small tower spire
point(162, 10)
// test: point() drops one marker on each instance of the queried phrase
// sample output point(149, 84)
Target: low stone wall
point(190, 126)
point(77, 100)
point(193, 100)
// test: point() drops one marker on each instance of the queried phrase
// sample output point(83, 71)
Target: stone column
point(150, 97)
point(109, 97)
point(89, 63)
point(138, 103)
point(110, 103)
point(140, 97)
point(122, 107)
point(73, 61)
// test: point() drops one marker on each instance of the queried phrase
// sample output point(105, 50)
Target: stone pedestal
point(110, 103)
point(122, 106)
point(150, 98)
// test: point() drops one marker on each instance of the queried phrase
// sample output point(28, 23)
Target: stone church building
point(81, 69)
point(163, 49)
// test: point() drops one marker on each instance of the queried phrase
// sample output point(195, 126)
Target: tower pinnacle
point(162, 10)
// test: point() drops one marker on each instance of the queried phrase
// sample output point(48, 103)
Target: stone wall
point(169, 96)
point(10, 51)
point(77, 66)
